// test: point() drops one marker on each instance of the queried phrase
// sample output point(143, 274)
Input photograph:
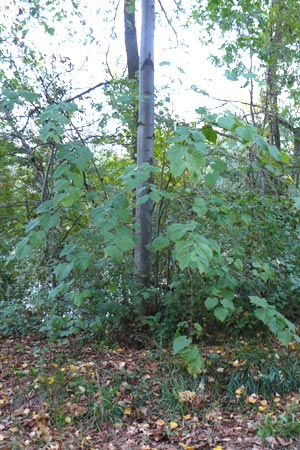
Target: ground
point(81, 395)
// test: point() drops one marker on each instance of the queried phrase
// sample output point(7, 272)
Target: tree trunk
point(132, 55)
point(145, 140)
point(131, 40)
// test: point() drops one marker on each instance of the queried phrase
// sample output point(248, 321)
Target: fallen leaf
point(186, 396)
point(240, 391)
point(160, 423)
point(128, 411)
point(251, 399)
point(173, 425)
point(186, 447)
point(262, 408)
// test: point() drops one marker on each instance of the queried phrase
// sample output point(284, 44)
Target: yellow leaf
point(128, 411)
point(262, 408)
point(186, 447)
point(251, 399)
point(264, 402)
point(68, 419)
point(187, 417)
point(218, 447)
point(173, 425)
point(73, 368)
point(239, 391)
point(51, 380)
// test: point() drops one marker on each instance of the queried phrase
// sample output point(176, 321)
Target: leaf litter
point(81, 396)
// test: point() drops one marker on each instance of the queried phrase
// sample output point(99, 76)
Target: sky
point(99, 39)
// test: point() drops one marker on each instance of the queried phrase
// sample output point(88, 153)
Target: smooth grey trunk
point(145, 140)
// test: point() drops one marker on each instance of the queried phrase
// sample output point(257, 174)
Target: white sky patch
point(99, 39)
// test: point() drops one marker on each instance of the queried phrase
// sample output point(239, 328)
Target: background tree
point(145, 141)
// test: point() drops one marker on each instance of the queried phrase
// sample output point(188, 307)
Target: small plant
point(285, 426)
point(189, 354)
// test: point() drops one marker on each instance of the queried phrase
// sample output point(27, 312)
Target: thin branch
point(168, 20)
point(110, 39)
point(87, 91)
point(26, 147)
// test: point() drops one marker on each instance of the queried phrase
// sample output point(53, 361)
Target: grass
point(286, 426)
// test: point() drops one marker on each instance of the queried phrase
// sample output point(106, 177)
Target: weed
point(285, 426)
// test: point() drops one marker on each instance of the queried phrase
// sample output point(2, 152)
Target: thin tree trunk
point(145, 140)
point(132, 53)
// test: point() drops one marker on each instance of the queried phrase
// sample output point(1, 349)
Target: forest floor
point(79, 395)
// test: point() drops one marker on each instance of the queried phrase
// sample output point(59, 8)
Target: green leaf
point(199, 207)
point(238, 264)
point(48, 221)
point(228, 304)
point(159, 243)
point(275, 153)
point(210, 134)
point(125, 239)
point(193, 360)
point(296, 201)
point(63, 270)
point(183, 254)
point(211, 302)
point(180, 343)
point(221, 313)
point(23, 248)
point(247, 132)
point(176, 231)
point(226, 122)
point(61, 288)
point(285, 337)
point(259, 301)
point(32, 224)
point(37, 238)
point(78, 297)
point(211, 178)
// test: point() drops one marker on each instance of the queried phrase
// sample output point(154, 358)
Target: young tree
point(145, 140)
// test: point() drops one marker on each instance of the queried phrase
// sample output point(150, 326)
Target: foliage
point(286, 426)
point(225, 207)
point(189, 354)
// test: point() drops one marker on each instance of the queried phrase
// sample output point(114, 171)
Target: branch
point(168, 20)
point(26, 147)
point(103, 83)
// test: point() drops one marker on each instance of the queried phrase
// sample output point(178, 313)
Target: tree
point(145, 141)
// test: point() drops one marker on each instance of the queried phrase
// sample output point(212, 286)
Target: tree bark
point(145, 141)
point(132, 55)
point(132, 52)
